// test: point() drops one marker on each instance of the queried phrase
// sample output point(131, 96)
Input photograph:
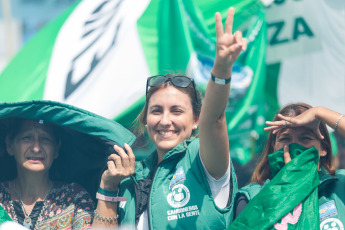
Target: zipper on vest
point(153, 179)
point(148, 202)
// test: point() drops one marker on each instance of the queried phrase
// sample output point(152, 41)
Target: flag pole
point(6, 11)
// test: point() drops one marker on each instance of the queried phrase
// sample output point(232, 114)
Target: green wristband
point(106, 192)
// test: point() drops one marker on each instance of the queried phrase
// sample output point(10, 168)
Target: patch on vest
point(327, 210)
point(179, 196)
point(332, 224)
point(178, 177)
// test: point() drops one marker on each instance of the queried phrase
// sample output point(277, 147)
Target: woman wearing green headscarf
point(51, 158)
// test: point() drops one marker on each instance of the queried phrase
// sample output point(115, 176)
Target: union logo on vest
point(179, 196)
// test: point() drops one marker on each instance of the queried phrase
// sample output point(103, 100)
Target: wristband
point(220, 81)
point(110, 198)
point(108, 192)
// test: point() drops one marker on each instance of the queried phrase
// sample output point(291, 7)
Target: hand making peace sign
point(228, 47)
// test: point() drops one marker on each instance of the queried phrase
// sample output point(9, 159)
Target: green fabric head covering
point(87, 139)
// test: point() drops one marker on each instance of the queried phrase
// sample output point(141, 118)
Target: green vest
point(331, 200)
point(331, 194)
point(179, 196)
point(290, 199)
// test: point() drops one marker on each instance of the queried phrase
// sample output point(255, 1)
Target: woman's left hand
point(120, 166)
point(228, 46)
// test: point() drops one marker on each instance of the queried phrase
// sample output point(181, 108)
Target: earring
point(195, 127)
point(146, 126)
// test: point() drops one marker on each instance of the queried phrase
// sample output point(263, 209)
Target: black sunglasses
point(178, 81)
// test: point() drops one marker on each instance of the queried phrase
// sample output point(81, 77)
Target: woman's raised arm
point(214, 141)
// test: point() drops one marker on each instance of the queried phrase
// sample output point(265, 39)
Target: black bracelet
point(220, 81)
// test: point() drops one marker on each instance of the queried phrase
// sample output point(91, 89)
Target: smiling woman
point(170, 119)
point(186, 182)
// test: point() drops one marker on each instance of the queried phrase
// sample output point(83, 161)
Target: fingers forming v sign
point(229, 45)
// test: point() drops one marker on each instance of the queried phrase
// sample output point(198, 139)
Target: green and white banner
point(90, 57)
point(98, 54)
point(305, 52)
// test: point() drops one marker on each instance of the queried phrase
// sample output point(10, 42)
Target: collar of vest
point(325, 178)
point(146, 167)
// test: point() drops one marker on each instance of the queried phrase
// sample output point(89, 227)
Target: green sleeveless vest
point(331, 200)
point(180, 197)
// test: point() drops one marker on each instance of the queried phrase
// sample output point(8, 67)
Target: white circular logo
point(179, 196)
point(332, 224)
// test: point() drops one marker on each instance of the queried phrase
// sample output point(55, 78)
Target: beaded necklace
point(27, 220)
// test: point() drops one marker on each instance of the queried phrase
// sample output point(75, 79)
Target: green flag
point(290, 199)
point(187, 44)
point(98, 54)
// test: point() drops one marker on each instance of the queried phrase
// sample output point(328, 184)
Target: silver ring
point(285, 123)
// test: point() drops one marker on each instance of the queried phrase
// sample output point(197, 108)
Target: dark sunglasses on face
point(178, 81)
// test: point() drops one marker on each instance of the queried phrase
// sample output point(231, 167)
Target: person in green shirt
point(305, 126)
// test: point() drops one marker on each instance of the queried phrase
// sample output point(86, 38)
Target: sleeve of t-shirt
point(220, 188)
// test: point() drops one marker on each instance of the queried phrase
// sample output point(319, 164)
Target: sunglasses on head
point(178, 81)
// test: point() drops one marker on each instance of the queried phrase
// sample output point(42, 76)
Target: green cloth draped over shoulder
point(4, 216)
point(290, 199)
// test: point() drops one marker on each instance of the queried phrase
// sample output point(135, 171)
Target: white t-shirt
point(220, 191)
point(9, 225)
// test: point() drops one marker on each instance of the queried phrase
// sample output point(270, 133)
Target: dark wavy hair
point(262, 171)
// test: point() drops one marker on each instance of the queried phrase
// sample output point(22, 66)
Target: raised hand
point(308, 119)
point(120, 166)
point(228, 46)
